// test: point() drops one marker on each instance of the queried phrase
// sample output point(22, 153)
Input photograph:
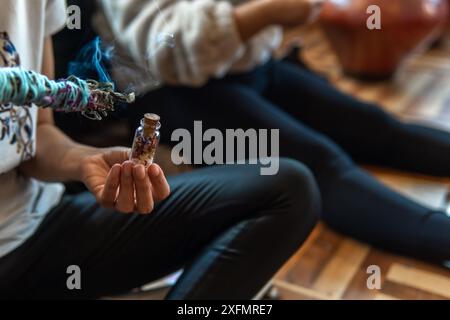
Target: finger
point(160, 186)
point(117, 155)
point(125, 200)
point(144, 199)
point(109, 194)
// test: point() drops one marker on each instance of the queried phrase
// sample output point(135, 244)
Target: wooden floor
point(331, 266)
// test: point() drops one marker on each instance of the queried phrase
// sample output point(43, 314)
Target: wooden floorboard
point(342, 274)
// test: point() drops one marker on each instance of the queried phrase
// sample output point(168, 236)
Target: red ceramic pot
point(406, 25)
point(447, 31)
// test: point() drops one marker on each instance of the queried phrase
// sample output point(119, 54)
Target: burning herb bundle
point(90, 98)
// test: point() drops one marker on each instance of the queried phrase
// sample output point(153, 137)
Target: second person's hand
point(251, 17)
point(291, 13)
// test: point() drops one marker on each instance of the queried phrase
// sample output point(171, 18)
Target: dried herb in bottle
point(146, 140)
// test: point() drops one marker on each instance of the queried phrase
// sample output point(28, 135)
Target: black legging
point(229, 227)
point(326, 129)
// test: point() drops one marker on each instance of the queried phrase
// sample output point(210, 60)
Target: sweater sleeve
point(205, 37)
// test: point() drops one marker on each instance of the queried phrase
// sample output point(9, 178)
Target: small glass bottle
point(146, 140)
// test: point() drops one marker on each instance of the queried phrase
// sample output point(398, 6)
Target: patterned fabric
point(16, 123)
point(24, 201)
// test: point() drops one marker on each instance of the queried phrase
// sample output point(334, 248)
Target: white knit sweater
point(206, 41)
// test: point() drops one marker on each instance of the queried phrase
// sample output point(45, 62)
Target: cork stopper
point(151, 119)
point(150, 123)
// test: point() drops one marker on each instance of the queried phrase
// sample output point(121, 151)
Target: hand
point(118, 183)
point(291, 13)
point(253, 16)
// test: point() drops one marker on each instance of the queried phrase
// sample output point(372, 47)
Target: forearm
point(254, 16)
point(206, 39)
point(57, 158)
point(251, 17)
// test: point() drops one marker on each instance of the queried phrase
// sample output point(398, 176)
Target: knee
point(299, 193)
point(324, 157)
point(293, 175)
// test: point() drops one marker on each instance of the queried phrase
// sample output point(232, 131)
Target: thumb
point(117, 155)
